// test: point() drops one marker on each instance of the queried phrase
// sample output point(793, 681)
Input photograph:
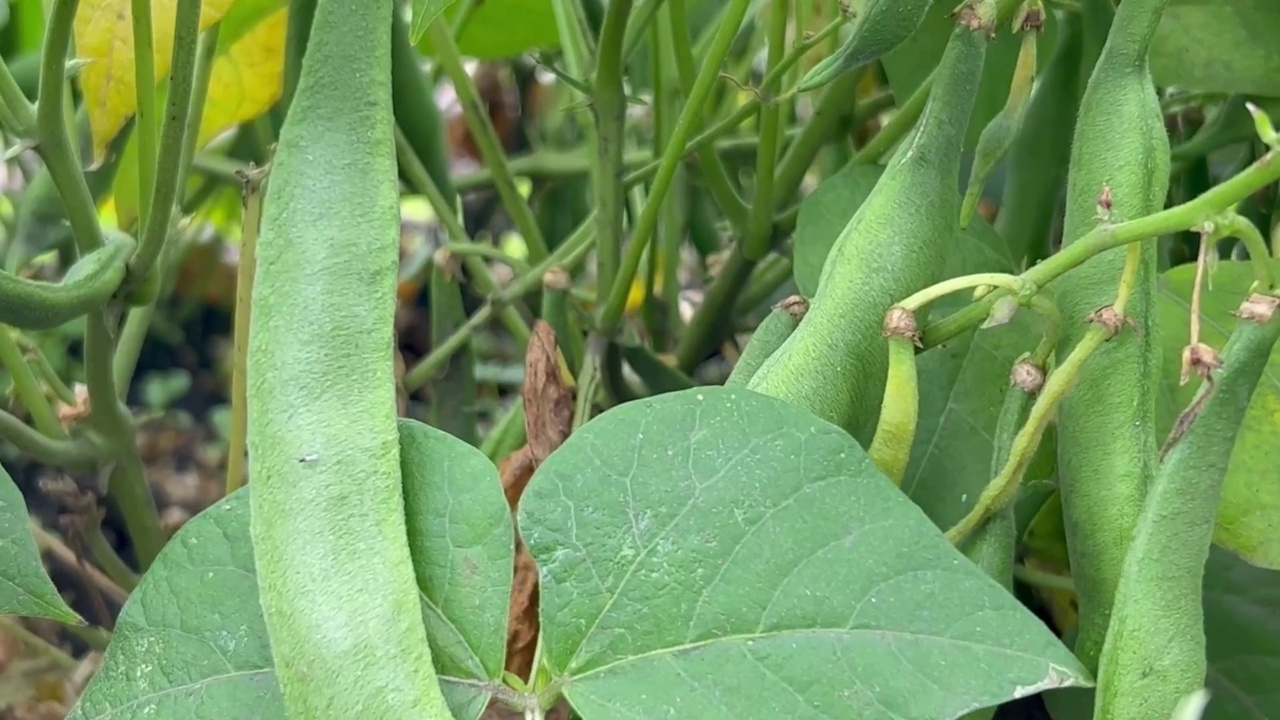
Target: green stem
point(611, 313)
point(415, 173)
point(47, 373)
point(1193, 213)
point(1042, 579)
point(1002, 489)
point(610, 111)
point(712, 170)
point(75, 453)
point(27, 387)
point(1233, 224)
point(486, 138)
point(146, 130)
point(53, 138)
point(128, 486)
point(251, 217)
point(163, 180)
point(1013, 283)
point(567, 255)
point(759, 235)
point(20, 114)
point(107, 557)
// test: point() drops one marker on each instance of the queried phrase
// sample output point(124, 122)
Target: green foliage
point(698, 319)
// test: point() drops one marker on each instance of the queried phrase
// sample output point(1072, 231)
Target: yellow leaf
point(104, 39)
point(247, 78)
point(245, 81)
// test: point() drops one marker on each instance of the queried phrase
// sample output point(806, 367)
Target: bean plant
point(893, 359)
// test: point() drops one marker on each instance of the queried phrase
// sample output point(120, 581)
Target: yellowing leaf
point(104, 38)
point(246, 80)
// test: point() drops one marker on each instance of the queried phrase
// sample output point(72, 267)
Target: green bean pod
point(890, 449)
point(999, 134)
point(1155, 645)
point(774, 330)
point(834, 364)
point(882, 26)
point(87, 286)
point(336, 581)
point(1038, 158)
point(1106, 438)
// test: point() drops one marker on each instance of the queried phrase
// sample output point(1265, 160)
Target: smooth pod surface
point(336, 581)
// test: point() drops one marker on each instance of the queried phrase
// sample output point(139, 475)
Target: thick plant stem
point(420, 180)
point(567, 255)
point(128, 486)
point(54, 141)
point(610, 106)
point(1193, 213)
point(611, 313)
point(251, 208)
point(760, 222)
point(712, 170)
point(486, 138)
point(165, 179)
point(147, 128)
point(27, 387)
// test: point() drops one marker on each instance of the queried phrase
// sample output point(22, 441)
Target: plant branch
point(759, 234)
point(54, 143)
point(27, 386)
point(486, 138)
point(1193, 213)
point(146, 129)
point(77, 453)
point(567, 255)
point(420, 180)
point(611, 314)
point(610, 104)
point(165, 180)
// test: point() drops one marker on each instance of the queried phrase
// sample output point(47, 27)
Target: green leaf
point(25, 589)
point(962, 383)
point(910, 64)
point(191, 642)
point(424, 11)
point(1250, 509)
point(463, 549)
point(1242, 631)
point(1220, 46)
point(500, 30)
point(712, 552)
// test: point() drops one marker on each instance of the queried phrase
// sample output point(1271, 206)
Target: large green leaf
point(463, 549)
point(909, 65)
point(191, 643)
point(718, 553)
point(962, 383)
point(500, 30)
point(1249, 516)
point(25, 589)
point(1221, 46)
point(1242, 630)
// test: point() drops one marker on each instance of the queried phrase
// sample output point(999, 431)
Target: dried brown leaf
point(548, 403)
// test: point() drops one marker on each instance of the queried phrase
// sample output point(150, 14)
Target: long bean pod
point(1106, 436)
